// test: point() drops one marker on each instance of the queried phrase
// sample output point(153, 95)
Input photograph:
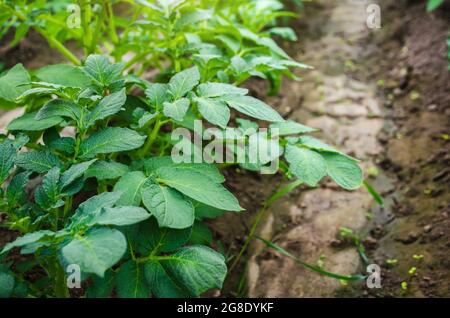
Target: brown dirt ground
point(409, 56)
point(417, 151)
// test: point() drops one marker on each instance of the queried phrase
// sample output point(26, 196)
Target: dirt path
point(342, 97)
point(349, 116)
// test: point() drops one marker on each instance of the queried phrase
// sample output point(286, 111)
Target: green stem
point(276, 196)
point(97, 31)
point(67, 207)
point(102, 187)
point(133, 19)
point(86, 19)
point(226, 165)
point(135, 58)
point(133, 256)
point(78, 141)
point(153, 257)
point(177, 65)
point(61, 25)
point(63, 50)
point(50, 39)
point(111, 23)
point(56, 216)
point(312, 267)
point(151, 138)
point(61, 290)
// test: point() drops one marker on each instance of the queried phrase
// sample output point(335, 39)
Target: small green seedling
point(391, 262)
point(412, 271)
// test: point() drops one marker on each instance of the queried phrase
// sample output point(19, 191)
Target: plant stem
point(135, 58)
point(102, 187)
point(61, 290)
point(56, 215)
point(62, 49)
point(177, 66)
point(60, 24)
point(97, 31)
point(86, 19)
point(227, 164)
point(276, 196)
point(151, 138)
point(153, 258)
point(67, 207)
point(79, 139)
point(111, 23)
point(133, 19)
point(50, 39)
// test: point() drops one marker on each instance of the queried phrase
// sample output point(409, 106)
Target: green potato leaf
point(307, 165)
point(176, 110)
point(209, 90)
point(192, 270)
point(198, 187)
point(148, 237)
point(28, 122)
point(7, 158)
point(433, 4)
point(99, 69)
point(131, 282)
point(169, 207)
point(289, 128)
point(63, 74)
point(157, 94)
point(102, 286)
point(95, 251)
point(184, 82)
point(38, 161)
point(112, 139)
point(345, 171)
point(27, 239)
point(120, 216)
point(92, 207)
point(15, 192)
point(104, 170)
point(7, 283)
point(51, 187)
point(108, 106)
point(161, 283)
point(130, 184)
point(253, 107)
point(13, 83)
point(59, 108)
point(74, 172)
point(214, 111)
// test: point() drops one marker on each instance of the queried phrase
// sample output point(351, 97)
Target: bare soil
point(382, 96)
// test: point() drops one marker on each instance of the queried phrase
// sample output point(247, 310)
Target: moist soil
point(382, 95)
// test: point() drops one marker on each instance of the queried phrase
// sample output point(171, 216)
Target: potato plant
point(88, 177)
point(229, 41)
